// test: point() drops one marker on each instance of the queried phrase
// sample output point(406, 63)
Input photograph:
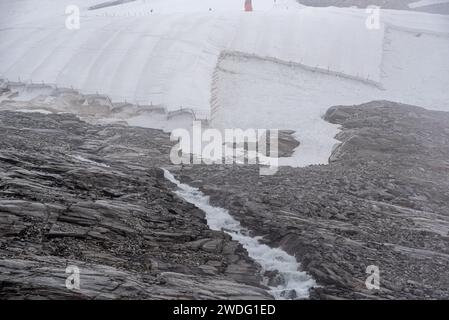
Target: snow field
point(166, 53)
point(270, 259)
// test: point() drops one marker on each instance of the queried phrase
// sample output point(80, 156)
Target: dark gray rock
point(382, 200)
point(94, 197)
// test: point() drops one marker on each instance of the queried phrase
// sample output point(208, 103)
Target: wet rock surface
point(90, 196)
point(382, 201)
point(286, 143)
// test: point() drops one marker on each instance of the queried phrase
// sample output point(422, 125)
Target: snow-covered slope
point(168, 56)
point(166, 52)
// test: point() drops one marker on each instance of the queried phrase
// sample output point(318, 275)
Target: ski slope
point(168, 56)
point(167, 52)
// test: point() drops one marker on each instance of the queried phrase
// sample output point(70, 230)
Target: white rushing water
point(271, 259)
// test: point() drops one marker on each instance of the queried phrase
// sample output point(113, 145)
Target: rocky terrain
point(441, 8)
point(382, 201)
point(94, 197)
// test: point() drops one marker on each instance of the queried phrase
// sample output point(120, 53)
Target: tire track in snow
point(78, 57)
point(104, 51)
point(58, 56)
point(124, 77)
point(109, 58)
point(117, 73)
point(23, 50)
point(162, 67)
point(49, 60)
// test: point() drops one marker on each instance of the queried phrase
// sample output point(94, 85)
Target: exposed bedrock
point(93, 196)
point(74, 194)
point(382, 201)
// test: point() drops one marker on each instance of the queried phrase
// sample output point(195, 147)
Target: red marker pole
point(248, 5)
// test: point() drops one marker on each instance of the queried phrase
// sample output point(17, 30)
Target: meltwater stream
point(295, 284)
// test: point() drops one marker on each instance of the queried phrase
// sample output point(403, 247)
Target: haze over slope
point(170, 53)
